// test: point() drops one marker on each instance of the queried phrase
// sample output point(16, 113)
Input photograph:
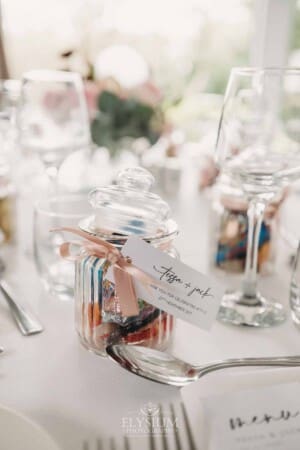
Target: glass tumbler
point(56, 273)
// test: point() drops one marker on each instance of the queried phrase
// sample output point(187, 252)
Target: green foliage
point(295, 44)
point(118, 118)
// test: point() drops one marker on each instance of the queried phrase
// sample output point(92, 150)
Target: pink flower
point(92, 91)
point(147, 93)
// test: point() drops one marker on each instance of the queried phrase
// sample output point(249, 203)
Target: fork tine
point(176, 432)
point(126, 443)
point(112, 444)
point(188, 428)
point(165, 445)
point(152, 445)
point(99, 444)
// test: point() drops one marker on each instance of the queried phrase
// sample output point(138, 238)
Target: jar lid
point(129, 208)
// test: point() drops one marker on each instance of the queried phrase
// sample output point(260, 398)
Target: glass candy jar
point(231, 230)
point(127, 208)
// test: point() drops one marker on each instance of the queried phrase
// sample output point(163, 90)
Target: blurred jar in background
point(231, 229)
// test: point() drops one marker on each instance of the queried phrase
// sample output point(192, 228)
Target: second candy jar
point(121, 210)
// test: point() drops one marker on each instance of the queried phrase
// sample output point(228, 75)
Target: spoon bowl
point(164, 368)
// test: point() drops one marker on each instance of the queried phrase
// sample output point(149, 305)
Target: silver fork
point(177, 436)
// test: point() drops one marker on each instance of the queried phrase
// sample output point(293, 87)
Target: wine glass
point(52, 117)
point(258, 148)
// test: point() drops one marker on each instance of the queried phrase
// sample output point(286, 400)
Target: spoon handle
point(26, 322)
point(276, 361)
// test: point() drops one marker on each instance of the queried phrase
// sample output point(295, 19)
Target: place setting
point(149, 244)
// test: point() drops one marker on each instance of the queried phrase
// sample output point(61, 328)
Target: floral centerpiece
point(123, 109)
point(119, 117)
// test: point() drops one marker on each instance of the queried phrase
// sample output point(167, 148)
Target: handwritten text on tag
point(181, 291)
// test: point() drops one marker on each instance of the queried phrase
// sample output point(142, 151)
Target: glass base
point(91, 347)
point(237, 309)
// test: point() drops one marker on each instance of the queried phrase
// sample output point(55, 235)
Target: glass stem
point(255, 213)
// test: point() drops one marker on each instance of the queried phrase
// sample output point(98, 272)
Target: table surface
point(76, 395)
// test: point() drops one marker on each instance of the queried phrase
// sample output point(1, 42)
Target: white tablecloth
point(75, 394)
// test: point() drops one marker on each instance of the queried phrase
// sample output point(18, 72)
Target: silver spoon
point(164, 368)
point(25, 321)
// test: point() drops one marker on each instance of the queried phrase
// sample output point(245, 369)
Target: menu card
point(262, 419)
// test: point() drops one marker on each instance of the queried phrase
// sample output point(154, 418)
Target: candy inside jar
point(230, 246)
point(127, 208)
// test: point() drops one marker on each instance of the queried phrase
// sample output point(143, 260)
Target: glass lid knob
point(135, 178)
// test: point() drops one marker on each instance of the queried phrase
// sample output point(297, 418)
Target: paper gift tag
point(181, 291)
point(263, 419)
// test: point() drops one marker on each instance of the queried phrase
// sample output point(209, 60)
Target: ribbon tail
point(87, 236)
point(66, 252)
point(125, 292)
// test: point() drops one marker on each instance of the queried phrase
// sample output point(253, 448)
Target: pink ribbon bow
point(123, 269)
